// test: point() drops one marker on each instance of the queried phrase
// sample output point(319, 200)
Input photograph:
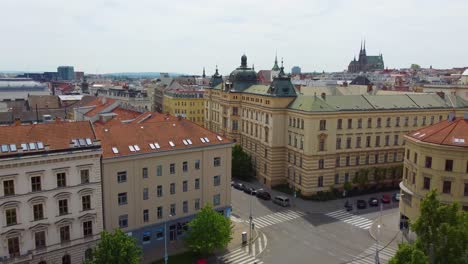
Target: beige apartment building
point(314, 142)
point(158, 172)
point(50, 195)
point(436, 157)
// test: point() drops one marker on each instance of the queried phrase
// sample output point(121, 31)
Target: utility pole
point(250, 227)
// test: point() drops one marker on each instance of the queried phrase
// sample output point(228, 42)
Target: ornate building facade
point(366, 63)
point(314, 142)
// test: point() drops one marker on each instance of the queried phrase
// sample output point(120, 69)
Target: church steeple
point(203, 75)
point(275, 66)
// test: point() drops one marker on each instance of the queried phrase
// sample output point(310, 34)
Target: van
point(281, 200)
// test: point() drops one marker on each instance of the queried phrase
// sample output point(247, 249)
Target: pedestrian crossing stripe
point(242, 255)
point(368, 256)
point(276, 218)
point(351, 219)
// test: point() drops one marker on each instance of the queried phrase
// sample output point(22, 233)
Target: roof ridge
point(363, 95)
point(407, 95)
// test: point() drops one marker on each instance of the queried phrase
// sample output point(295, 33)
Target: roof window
point(157, 145)
point(115, 150)
point(171, 143)
point(132, 149)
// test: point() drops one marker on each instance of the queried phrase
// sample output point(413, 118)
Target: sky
point(184, 36)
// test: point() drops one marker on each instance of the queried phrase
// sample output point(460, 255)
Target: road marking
point(242, 256)
point(368, 256)
point(276, 218)
point(351, 219)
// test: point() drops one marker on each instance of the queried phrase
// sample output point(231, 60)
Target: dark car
point(361, 204)
point(348, 206)
point(250, 191)
point(238, 186)
point(385, 198)
point(262, 194)
point(373, 201)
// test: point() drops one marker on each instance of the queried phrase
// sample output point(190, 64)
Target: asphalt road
point(304, 233)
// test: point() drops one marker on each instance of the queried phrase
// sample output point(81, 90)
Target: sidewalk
point(389, 229)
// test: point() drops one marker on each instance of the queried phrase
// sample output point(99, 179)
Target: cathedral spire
point(204, 75)
point(275, 66)
point(216, 73)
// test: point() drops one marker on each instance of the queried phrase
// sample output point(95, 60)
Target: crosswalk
point(351, 219)
point(242, 256)
point(368, 256)
point(276, 218)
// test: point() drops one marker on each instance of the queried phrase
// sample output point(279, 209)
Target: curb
point(371, 229)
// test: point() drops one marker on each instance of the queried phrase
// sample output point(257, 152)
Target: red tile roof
point(56, 135)
point(155, 129)
point(99, 104)
point(451, 133)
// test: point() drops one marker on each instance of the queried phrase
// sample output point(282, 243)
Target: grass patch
point(182, 258)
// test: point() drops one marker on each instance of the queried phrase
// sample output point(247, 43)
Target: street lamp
point(377, 260)
point(250, 226)
point(165, 240)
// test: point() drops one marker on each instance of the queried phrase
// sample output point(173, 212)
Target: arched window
point(66, 259)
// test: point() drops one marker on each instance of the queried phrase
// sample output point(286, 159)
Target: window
point(145, 215)
point(385, 158)
point(10, 215)
point(350, 123)
point(321, 164)
point(348, 143)
point(159, 212)
point(358, 142)
point(415, 121)
point(216, 199)
point(8, 187)
point(64, 234)
point(379, 122)
point(428, 162)
point(173, 209)
point(122, 198)
point(427, 183)
point(265, 155)
point(358, 160)
point(323, 124)
point(159, 170)
point(172, 168)
point(217, 180)
point(348, 161)
point(389, 120)
point(185, 207)
point(346, 177)
point(159, 191)
point(145, 194)
point(415, 157)
point(395, 157)
point(397, 121)
point(447, 187)
point(406, 121)
point(407, 154)
point(368, 141)
point(197, 164)
point(121, 176)
point(88, 228)
point(123, 221)
point(197, 184)
point(465, 191)
point(197, 204)
point(369, 122)
point(322, 145)
point(61, 180)
point(339, 124)
point(66, 259)
point(387, 140)
point(377, 141)
point(185, 166)
point(144, 173)
point(367, 159)
point(146, 237)
point(376, 158)
point(38, 212)
point(84, 175)
point(448, 165)
point(13, 246)
point(338, 143)
point(172, 188)
point(63, 207)
point(86, 202)
point(424, 121)
point(337, 178)
point(337, 162)
point(184, 186)
point(217, 162)
point(320, 181)
point(359, 123)
point(395, 140)
point(36, 183)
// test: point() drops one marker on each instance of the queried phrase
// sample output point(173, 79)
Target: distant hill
point(149, 75)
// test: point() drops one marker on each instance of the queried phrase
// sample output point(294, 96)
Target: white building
point(50, 192)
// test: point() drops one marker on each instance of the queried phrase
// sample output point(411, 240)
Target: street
point(312, 232)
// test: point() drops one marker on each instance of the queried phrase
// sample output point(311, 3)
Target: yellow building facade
point(314, 142)
point(436, 157)
point(188, 104)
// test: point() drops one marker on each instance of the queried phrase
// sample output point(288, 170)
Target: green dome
point(243, 77)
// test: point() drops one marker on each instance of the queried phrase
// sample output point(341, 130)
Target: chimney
point(324, 96)
point(17, 122)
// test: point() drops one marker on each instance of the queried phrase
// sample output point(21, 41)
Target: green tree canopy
point(442, 231)
point(209, 231)
point(362, 178)
point(116, 248)
point(409, 254)
point(242, 167)
point(415, 66)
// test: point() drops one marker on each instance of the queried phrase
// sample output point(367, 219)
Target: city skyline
point(114, 36)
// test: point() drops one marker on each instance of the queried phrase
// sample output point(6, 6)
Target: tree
point(379, 174)
point(209, 231)
point(116, 248)
point(409, 254)
point(347, 186)
point(442, 232)
point(415, 67)
point(362, 178)
point(242, 167)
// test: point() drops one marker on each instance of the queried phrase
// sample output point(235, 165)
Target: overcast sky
point(184, 35)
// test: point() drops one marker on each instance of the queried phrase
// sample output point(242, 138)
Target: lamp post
point(165, 241)
point(250, 226)
point(403, 220)
point(377, 260)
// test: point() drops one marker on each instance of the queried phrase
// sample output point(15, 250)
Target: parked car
point(396, 197)
point(373, 201)
point(238, 186)
point(385, 198)
point(361, 204)
point(348, 206)
point(250, 190)
point(262, 194)
point(281, 200)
